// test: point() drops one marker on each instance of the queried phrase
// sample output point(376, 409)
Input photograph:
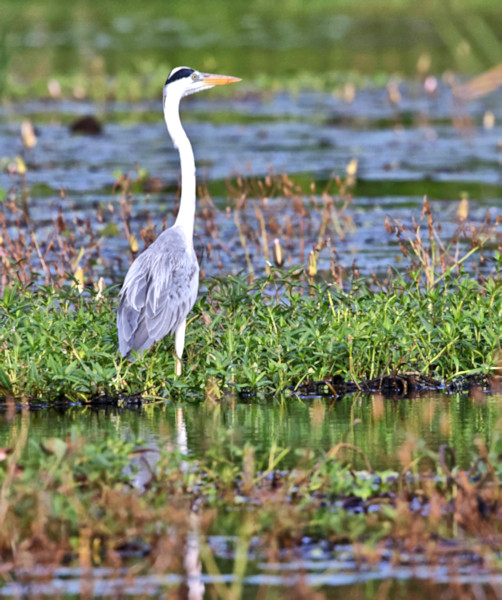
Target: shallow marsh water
point(311, 137)
point(377, 425)
point(404, 152)
point(335, 579)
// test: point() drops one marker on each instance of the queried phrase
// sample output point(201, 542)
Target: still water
point(375, 424)
point(336, 581)
point(404, 151)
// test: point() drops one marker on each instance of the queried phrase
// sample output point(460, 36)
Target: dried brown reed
point(266, 222)
point(432, 259)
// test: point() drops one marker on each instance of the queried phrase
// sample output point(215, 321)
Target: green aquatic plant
point(271, 335)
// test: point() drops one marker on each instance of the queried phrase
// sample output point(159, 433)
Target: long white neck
point(186, 213)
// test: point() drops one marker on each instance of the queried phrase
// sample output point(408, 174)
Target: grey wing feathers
point(159, 291)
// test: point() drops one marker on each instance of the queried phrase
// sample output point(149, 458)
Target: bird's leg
point(179, 344)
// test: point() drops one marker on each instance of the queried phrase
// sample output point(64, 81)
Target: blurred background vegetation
point(120, 49)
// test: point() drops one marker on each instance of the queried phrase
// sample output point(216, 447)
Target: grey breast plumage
point(159, 291)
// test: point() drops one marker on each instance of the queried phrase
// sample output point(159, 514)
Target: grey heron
point(161, 285)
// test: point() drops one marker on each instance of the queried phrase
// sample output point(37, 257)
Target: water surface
point(375, 424)
point(404, 152)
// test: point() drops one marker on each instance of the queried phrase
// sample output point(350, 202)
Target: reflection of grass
point(72, 501)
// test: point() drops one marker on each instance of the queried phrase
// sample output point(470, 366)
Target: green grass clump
point(251, 338)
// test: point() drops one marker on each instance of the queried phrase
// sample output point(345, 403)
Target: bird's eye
point(194, 76)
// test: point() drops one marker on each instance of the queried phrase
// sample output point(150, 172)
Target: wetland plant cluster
point(100, 503)
point(438, 317)
point(263, 337)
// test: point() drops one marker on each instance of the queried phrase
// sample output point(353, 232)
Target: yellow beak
point(219, 79)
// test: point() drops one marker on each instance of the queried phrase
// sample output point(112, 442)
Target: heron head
point(185, 81)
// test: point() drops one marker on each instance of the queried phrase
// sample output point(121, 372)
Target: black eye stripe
point(180, 75)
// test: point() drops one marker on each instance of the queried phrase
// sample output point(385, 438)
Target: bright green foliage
point(251, 338)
